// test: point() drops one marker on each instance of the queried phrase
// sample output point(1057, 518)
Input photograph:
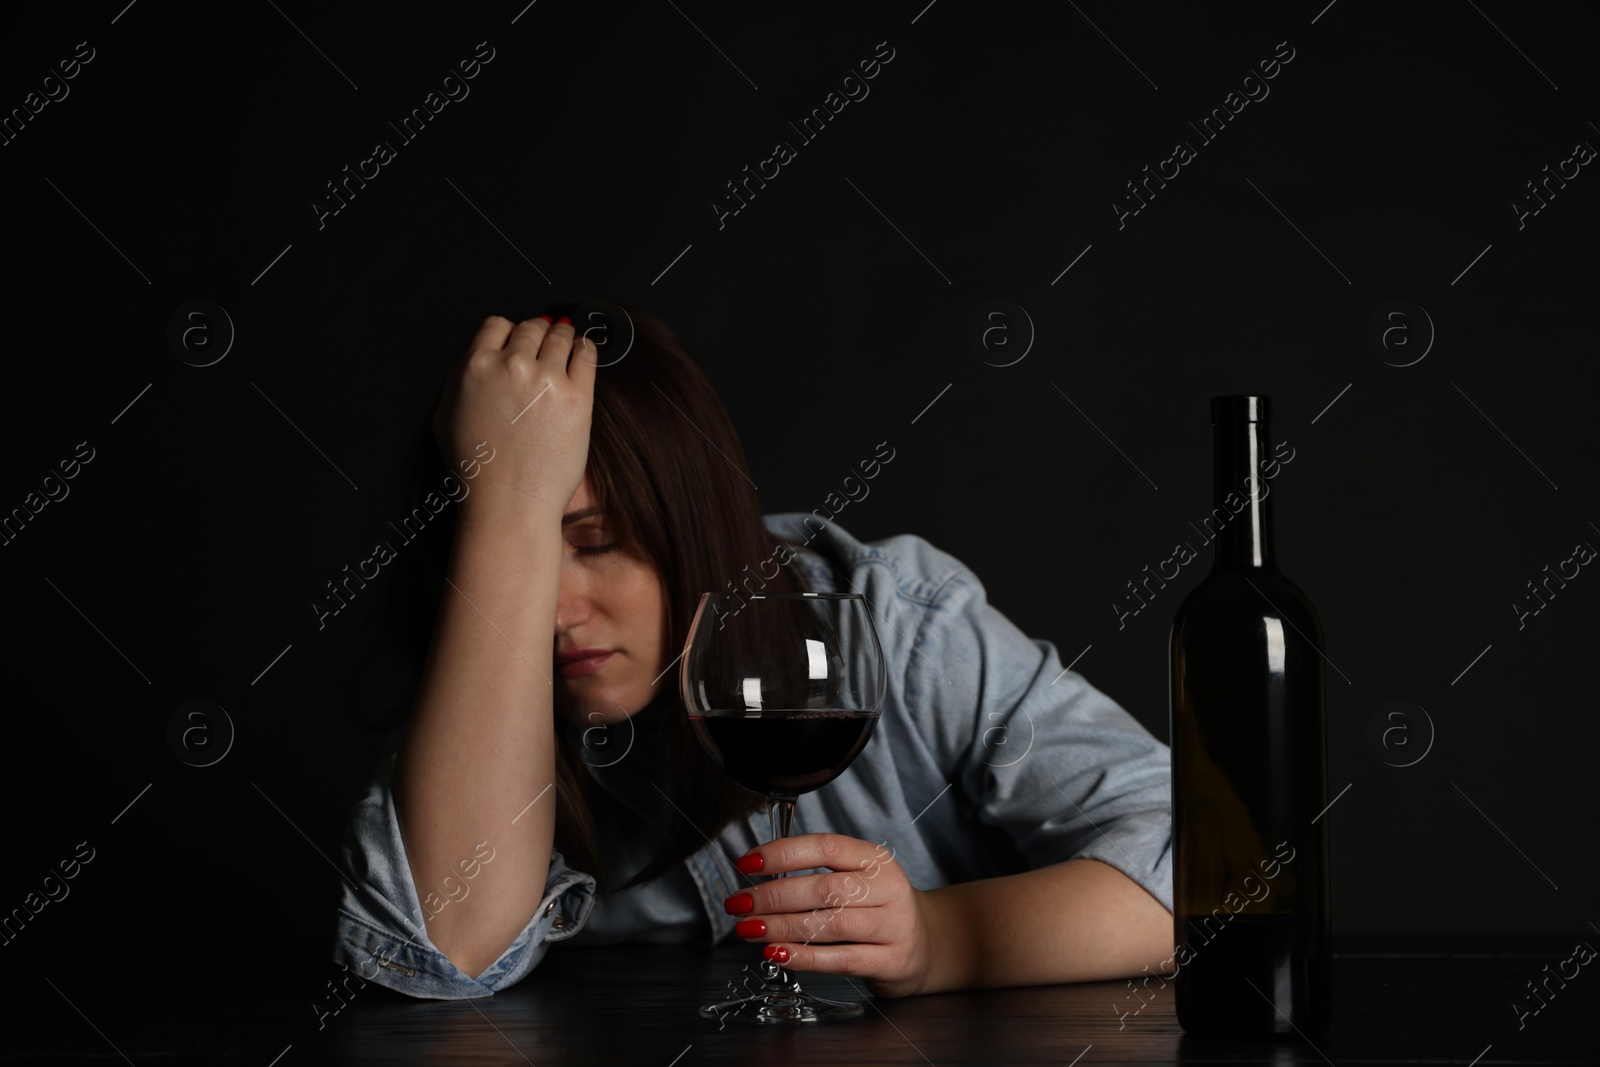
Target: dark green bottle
point(1251, 910)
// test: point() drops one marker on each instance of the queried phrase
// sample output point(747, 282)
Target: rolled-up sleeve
point(1062, 768)
point(380, 930)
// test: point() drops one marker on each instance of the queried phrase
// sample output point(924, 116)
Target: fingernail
point(750, 928)
point(750, 864)
point(776, 953)
point(545, 317)
point(563, 319)
point(739, 904)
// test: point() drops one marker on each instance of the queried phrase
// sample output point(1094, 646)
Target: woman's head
point(669, 478)
point(667, 483)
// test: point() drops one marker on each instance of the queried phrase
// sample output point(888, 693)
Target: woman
point(1014, 821)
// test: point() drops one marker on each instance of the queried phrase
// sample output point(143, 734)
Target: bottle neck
point(1240, 513)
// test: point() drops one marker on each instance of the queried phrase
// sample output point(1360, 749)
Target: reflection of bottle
point(1250, 868)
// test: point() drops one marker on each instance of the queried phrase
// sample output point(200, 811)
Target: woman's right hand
point(528, 391)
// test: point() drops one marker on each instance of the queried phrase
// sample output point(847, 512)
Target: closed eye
point(597, 550)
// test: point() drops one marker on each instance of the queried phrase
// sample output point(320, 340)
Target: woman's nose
point(572, 604)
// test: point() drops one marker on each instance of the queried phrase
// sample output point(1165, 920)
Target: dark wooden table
point(1396, 1001)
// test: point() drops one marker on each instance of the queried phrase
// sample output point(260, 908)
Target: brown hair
point(668, 471)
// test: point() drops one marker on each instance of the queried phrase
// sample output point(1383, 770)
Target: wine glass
point(783, 690)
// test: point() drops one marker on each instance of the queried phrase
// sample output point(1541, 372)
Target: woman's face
point(611, 599)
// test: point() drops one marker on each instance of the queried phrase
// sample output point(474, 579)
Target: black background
point(831, 312)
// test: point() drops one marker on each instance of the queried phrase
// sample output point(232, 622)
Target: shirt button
point(558, 923)
point(550, 907)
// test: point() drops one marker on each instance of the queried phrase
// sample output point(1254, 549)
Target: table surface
point(1395, 1001)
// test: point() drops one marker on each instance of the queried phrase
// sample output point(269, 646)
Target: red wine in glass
point(782, 752)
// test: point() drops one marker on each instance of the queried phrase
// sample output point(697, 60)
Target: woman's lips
point(588, 665)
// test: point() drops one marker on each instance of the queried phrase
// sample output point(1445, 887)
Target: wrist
point(528, 525)
point(515, 549)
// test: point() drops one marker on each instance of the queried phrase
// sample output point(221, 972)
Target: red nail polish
point(563, 319)
point(776, 953)
point(546, 318)
point(739, 904)
point(750, 928)
point(750, 864)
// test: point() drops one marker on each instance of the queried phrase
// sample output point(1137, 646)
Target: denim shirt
point(989, 759)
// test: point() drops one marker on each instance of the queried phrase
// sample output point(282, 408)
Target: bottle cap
point(1232, 409)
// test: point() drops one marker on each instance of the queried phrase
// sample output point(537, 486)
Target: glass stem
point(781, 811)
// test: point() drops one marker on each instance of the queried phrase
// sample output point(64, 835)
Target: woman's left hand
point(862, 918)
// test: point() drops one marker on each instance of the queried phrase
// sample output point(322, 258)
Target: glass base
point(780, 1000)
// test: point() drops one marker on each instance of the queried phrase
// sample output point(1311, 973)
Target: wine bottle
point(1251, 910)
